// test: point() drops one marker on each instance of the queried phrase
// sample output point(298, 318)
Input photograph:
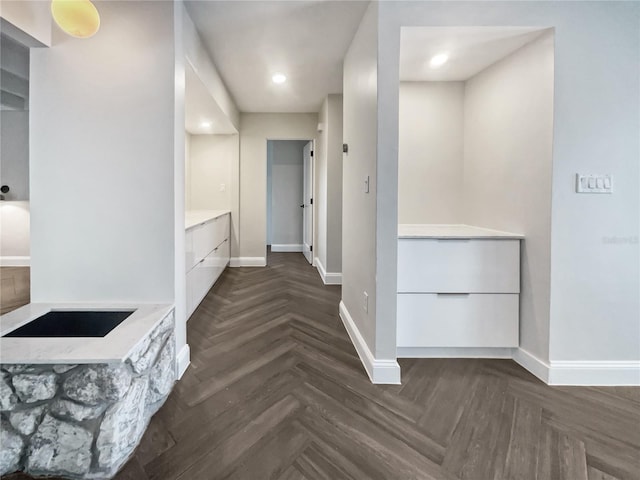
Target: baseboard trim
point(532, 364)
point(595, 373)
point(380, 371)
point(328, 278)
point(183, 360)
point(248, 262)
point(15, 261)
point(286, 248)
point(436, 352)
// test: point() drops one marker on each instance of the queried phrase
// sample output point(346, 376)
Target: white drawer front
point(191, 291)
point(458, 266)
point(209, 235)
point(220, 227)
point(190, 254)
point(204, 237)
point(473, 320)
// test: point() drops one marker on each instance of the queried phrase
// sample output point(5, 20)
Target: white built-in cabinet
point(458, 286)
point(207, 247)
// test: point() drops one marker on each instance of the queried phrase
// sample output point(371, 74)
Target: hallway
point(276, 391)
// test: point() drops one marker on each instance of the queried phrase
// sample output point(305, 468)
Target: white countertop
point(114, 347)
point(452, 231)
point(196, 217)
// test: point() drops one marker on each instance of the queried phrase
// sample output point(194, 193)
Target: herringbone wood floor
point(276, 391)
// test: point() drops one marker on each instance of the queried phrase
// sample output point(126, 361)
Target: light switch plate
point(591, 183)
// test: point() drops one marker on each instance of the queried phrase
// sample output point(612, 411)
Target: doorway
point(15, 244)
point(290, 196)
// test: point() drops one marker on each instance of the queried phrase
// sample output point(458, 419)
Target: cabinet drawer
point(209, 235)
point(472, 320)
point(220, 258)
point(190, 254)
point(191, 290)
point(219, 228)
point(458, 266)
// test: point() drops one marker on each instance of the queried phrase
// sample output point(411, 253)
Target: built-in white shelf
point(444, 231)
point(458, 287)
point(112, 348)
point(193, 218)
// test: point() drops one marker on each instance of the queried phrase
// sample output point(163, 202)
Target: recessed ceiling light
point(438, 60)
point(205, 124)
point(279, 78)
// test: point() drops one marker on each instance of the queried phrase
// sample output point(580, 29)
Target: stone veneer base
point(83, 421)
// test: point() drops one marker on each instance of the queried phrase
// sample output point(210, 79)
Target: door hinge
point(312, 153)
point(311, 202)
point(311, 248)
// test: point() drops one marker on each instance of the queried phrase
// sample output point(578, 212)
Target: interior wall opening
point(289, 196)
point(474, 174)
point(14, 174)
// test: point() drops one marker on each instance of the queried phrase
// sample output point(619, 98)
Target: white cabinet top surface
point(196, 217)
point(440, 231)
point(113, 347)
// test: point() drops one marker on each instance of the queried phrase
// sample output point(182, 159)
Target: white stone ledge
point(113, 348)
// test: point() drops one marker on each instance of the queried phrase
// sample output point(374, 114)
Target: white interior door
point(307, 202)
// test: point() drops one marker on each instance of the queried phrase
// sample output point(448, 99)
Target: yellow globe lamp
point(78, 18)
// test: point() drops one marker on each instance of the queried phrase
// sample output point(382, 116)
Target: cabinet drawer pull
point(452, 294)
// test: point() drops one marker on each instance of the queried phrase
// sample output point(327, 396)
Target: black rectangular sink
point(71, 324)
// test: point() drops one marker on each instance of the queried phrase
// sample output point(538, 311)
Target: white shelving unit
point(458, 287)
point(207, 253)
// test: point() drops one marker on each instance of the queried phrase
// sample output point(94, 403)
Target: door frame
point(313, 189)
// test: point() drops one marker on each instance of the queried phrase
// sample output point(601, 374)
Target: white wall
point(179, 178)
point(508, 126)
point(334, 127)
point(328, 195)
point(14, 153)
point(320, 185)
point(285, 163)
point(103, 218)
point(594, 282)
point(269, 191)
point(197, 56)
point(430, 152)
point(211, 161)
point(255, 130)
point(359, 251)
point(32, 18)
point(187, 171)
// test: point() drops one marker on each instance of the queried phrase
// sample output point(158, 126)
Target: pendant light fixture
point(78, 18)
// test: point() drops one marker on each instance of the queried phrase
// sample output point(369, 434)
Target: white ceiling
point(251, 40)
point(471, 50)
point(199, 107)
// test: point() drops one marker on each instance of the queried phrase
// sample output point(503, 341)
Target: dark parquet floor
point(276, 391)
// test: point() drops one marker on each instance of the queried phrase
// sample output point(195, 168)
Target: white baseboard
point(595, 373)
point(532, 363)
point(183, 360)
point(580, 372)
point(380, 371)
point(15, 261)
point(248, 262)
point(286, 248)
point(329, 278)
point(432, 352)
